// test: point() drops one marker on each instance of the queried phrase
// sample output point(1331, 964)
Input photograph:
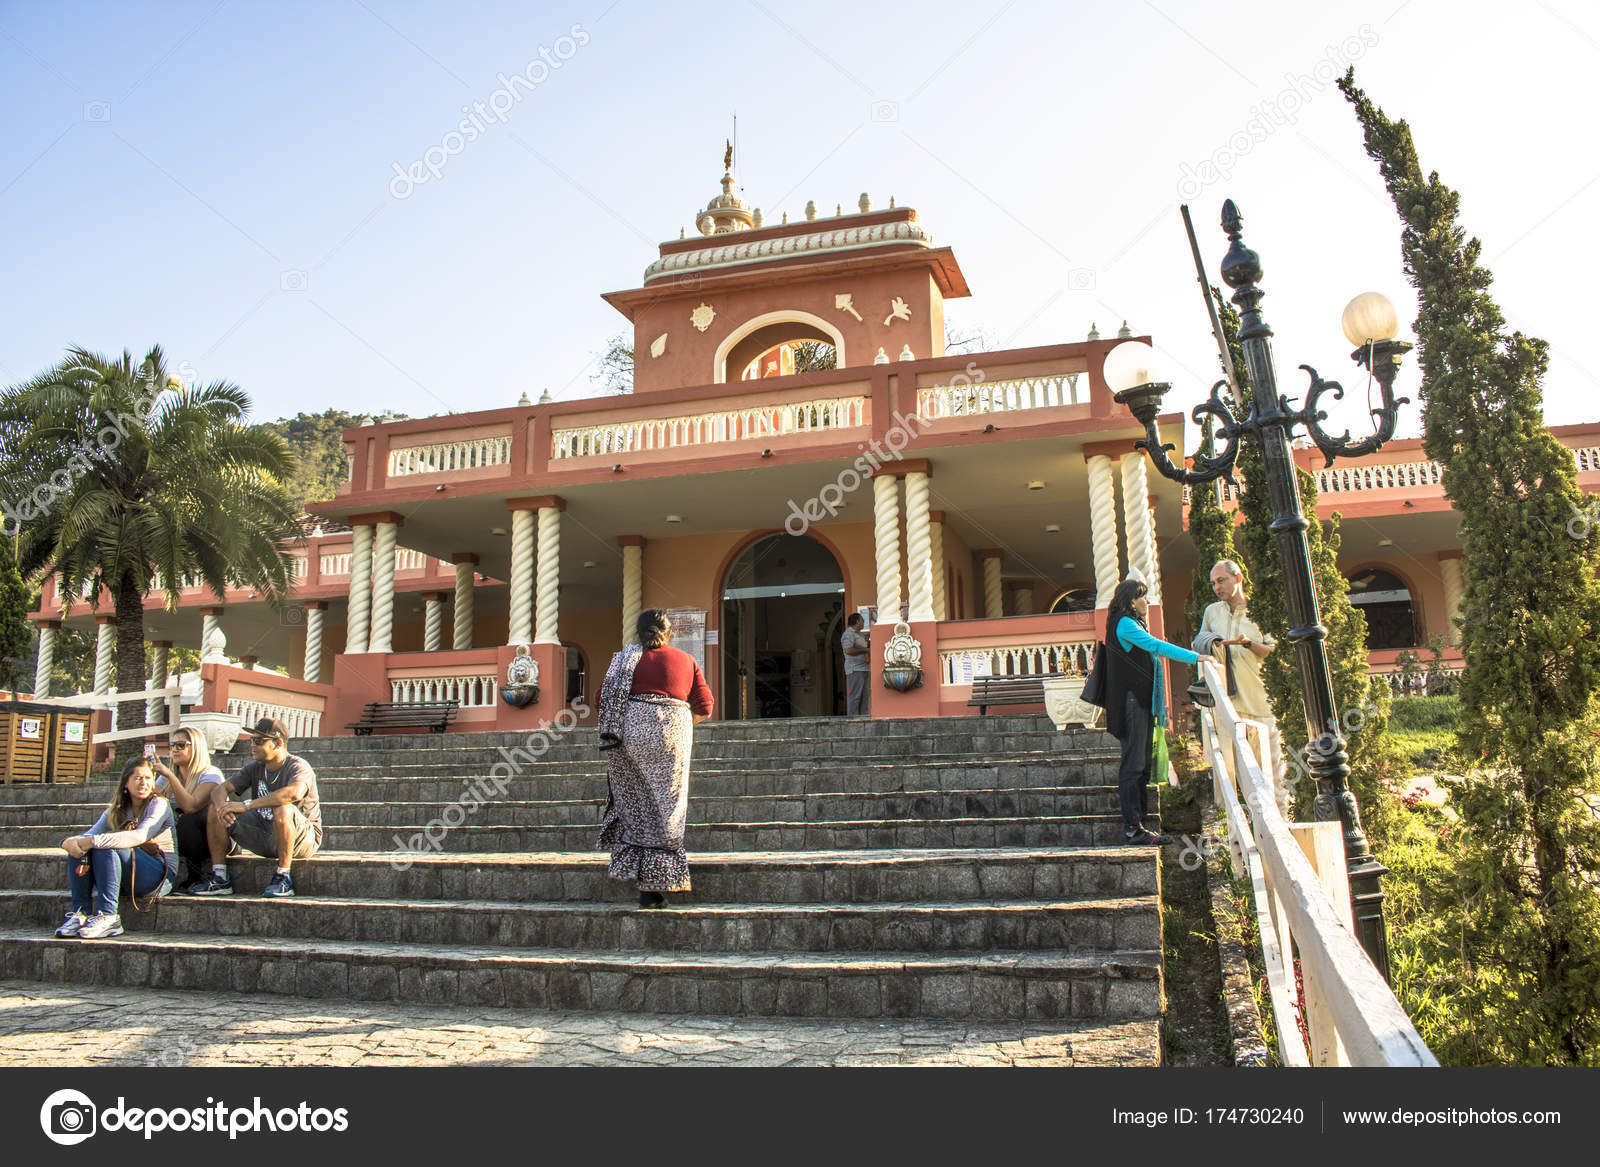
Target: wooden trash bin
point(70, 751)
point(25, 741)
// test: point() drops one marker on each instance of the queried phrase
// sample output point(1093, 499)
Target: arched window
point(1386, 602)
point(1074, 600)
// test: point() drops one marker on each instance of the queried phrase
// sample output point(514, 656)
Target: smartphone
point(150, 750)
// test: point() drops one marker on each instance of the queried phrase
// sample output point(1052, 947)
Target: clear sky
point(220, 177)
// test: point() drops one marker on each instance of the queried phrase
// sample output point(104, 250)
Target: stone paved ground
point(77, 1025)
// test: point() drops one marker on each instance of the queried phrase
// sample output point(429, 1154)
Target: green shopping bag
point(1158, 755)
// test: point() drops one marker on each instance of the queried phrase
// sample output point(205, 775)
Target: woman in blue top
point(1135, 696)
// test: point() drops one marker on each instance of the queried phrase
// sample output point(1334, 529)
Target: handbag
point(1094, 686)
point(154, 852)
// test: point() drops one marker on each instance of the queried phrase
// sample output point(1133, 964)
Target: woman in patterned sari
point(650, 700)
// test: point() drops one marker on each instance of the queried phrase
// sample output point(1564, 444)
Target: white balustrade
point(1353, 1017)
point(1393, 476)
point(405, 559)
point(441, 457)
point(704, 429)
point(1588, 459)
point(1415, 683)
point(1071, 658)
point(299, 722)
point(962, 400)
point(335, 564)
point(478, 691)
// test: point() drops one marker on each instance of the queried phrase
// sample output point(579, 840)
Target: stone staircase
point(842, 868)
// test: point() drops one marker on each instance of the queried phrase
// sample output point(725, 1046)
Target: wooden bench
point(435, 716)
point(987, 691)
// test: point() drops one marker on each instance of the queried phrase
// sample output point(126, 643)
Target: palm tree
point(129, 480)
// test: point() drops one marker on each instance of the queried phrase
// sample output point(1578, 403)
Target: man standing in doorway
point(1228, 632)
point(857, 667)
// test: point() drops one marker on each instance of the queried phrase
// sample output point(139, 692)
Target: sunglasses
point(257, 740)
point(179, 745)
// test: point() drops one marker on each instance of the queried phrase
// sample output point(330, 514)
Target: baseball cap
point(268, 727)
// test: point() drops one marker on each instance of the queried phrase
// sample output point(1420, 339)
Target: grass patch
point(1424, 728)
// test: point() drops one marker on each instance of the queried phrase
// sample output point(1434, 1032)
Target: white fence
point(1394, 476)
point(702, 429)
point(299, 722)
point(1352, 1016)
point(1053, 658)
point(440, 457)
point(476, 691)
point(171, 694)
point(936, 401)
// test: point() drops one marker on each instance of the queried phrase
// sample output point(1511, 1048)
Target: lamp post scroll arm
point(1342, 447)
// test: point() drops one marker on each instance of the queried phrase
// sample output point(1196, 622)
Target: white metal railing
point(1393, 476)
point(439, 457)
point(1416, 684)
point(1352, 1017)
point(475, 691)
point(936, 401)
point(299, 722)
point(172, 694)
point(1052, 658)
point(704, 429)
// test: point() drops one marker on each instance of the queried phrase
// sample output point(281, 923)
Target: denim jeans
point(108, 870)
point(1136, 737)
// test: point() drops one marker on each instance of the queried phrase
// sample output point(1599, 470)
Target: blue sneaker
point(279, 887)
point(211, 885)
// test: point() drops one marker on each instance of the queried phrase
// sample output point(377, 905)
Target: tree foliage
point(317, 442)
point(1519, 942)
point(1211, 531)
point(134, 481)
point(15, 635)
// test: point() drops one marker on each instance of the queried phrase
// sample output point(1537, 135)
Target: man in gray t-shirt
point(857, 667)
point(273, 812)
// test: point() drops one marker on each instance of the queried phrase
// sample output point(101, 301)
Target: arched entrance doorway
point(1385, 600)
point(781, 597)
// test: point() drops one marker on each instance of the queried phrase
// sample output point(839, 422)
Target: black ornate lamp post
point(1369, 322)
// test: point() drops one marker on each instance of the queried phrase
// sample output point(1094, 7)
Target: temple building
point(798, 446)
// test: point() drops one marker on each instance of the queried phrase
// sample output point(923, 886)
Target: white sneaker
point(72, 924)
point(101, 925)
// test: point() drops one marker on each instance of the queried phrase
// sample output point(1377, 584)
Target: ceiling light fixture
point(1035, 485)
point(674, 518)
point(1052, 528)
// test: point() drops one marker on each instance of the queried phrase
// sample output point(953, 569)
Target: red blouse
point(672, 672)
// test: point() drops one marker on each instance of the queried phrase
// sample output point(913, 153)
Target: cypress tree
point(1526, 926)
point(15, 635)
point(1211, 531)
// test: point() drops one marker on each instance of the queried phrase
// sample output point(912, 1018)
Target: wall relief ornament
point(522, 680)
point(898, 310)
point(658, 345)
point(902, 660)
point(702, 316)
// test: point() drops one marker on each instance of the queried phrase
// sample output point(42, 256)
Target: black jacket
point(1128, 670)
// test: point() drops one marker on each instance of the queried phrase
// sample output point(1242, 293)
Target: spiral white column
point(919, 546)
point(383, 549)
point(1455, 590)
point(160, 658)
point(210, 621)
point(463, 628)
point(312, 671)
point(632, 590)
point(936, 537)
point(886, 543)
point(433, 627)
point(358, 621)
point(1136, 513)
point(519, 626)
point(47, 660)
point(105, 643)
point(1022, 598)
point(1103, 529)
point(993, 589)
point(546, 626)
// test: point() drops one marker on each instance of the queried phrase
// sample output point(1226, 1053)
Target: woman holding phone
point(130, 843)
point(191, 783)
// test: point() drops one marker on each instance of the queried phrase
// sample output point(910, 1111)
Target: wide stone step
point(998, 985)
point(797, 808)
point(1086, 925)
point(781, 877)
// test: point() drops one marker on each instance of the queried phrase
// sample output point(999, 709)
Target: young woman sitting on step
point(130, 844)
point(191, 784)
